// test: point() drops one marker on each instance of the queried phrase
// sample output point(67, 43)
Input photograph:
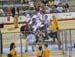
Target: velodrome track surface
point(10, 37)
point(68, 24)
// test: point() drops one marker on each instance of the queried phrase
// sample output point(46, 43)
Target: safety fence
point(23, 44)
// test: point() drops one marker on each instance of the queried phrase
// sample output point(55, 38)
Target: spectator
point(46, 51)
point(66, 7)
point(24, 1)
point(60, 9)
point(51, 2)
point(56, 2)
point(16, 20)
point(43, 8)
point(53, 31)
point(12, 50)
point(45, 1)
point(36, 6)
point(40, 52)
point(13, 12)
point(54, 10)
point(2, 12)
point(55, 20)
point(54, 27)
point(54, 34)
point(40, 8)
point(8, 11)
point(48, 9)
point(31, 4)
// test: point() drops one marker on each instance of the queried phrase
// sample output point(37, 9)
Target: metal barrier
point(8, 38)
point(0, 44)
point(67, 40)
point(66, 36)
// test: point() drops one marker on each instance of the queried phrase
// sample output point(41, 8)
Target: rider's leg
point(26, 50)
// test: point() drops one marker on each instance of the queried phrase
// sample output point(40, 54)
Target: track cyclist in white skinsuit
point(37, 24)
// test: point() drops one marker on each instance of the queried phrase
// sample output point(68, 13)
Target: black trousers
point(53, 34)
